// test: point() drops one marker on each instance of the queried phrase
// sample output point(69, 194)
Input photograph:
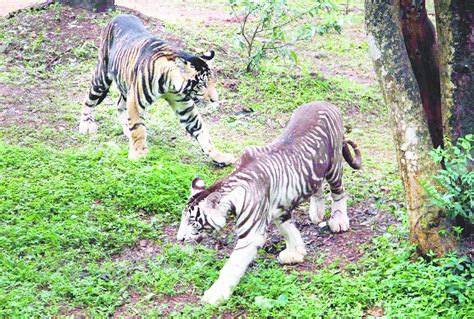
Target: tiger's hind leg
point(98, 90)
point(339, 221)
point(122, 115)
point(317, 206)
point(136, 126)
point(295, 247)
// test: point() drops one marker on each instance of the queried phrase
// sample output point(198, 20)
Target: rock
point(371, 210)
point(3, 48)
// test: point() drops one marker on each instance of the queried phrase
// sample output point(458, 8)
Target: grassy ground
point(84, 231)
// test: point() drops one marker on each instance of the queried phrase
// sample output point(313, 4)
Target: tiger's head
point(201, 87)
point(203, 214)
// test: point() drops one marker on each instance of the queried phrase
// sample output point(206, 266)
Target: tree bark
point(91, 5)
point(422, 48)
point(455, 25)
point(411, 134)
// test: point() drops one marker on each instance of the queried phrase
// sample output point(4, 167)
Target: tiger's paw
point(88, 127)
point(222, 159)
point(338, 222)
point(137, 153)
point(216, 295)
point(289, 257)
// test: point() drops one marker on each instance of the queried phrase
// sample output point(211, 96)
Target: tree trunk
point(410, 129)
point(455, 25)
point(91, 5)
point(422, 48)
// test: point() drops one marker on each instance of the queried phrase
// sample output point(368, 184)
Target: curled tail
point(356, 162)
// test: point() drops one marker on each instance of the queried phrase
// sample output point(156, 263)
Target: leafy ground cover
point(84, 231)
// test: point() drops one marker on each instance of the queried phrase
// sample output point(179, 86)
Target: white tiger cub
point(268, 183)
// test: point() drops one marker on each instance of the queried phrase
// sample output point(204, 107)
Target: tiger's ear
point(213, 199)
point(208, 55)
point(197, 186)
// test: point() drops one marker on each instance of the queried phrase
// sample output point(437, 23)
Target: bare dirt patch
point(174, 11)
point(8, 6)
point(164, 304)
point(143, 249)
point(366, 223)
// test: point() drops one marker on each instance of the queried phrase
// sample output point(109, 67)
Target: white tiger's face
point(201, 215)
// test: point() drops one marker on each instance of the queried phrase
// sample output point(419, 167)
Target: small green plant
point(453, 189)
point(265, 27)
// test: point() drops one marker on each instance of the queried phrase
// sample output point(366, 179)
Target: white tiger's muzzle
point(187, 233)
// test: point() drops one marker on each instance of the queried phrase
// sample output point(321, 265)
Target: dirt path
point(7, 6)
point(173, 10)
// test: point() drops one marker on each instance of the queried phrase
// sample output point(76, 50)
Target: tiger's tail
point(100, 82)
point(356, 162)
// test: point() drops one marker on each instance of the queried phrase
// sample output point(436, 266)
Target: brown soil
point(321, 244)
point(166, 304)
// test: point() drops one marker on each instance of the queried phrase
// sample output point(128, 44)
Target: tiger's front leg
point(295, 248)
point(192, 121)
point(244, 253)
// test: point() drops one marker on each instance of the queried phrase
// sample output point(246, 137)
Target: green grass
point(63, 213)
point(71, 204)
point(66, 214)
point(275, 93)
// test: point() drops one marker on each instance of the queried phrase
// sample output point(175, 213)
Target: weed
point(456, 179)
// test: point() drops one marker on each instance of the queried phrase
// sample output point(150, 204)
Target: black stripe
point(250, 243)
point(140, 101)
point(186, 98)
point(194, 129)
point(187, 110)
point(151, 75)
point(161, 83)
point(242, 222)
point(148, 98)
point(135, 126)
point(93, 96)
point(283, 218)
point(199, 126)
point(247, 231)
point(190, 120)
point(102, 97)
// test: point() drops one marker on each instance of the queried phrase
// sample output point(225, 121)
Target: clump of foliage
point(275, 26)
point(456, 179)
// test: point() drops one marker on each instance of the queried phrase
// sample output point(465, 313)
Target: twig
point(58, 57)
